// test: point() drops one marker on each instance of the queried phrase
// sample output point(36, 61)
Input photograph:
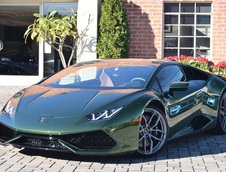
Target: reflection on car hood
point(67, 102)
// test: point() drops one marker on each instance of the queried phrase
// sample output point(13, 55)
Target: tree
point(113, 29)
point(54, 29)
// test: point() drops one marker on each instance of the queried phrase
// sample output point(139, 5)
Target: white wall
point(87, 20)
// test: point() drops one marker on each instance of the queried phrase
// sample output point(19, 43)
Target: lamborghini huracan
point(108, 107)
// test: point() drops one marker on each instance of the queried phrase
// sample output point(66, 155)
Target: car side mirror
point(178, 86)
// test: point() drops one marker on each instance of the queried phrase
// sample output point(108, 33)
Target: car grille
point(91, 140)
point(38, 141)
point(87, 140)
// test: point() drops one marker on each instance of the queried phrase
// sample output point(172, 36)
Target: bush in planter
point(220, 68)
point(199, 62)
point(113, 30)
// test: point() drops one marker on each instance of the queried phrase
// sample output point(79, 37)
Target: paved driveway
point(199, 153)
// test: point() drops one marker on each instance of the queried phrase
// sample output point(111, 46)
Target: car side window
point(168, 75)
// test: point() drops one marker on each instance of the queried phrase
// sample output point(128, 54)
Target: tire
point(221, 118)
point(153, 131)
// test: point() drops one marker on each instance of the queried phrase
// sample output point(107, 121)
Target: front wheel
point(153, 131)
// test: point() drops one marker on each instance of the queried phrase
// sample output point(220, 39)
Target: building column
point(87, 24)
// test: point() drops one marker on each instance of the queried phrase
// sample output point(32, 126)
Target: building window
point(17, 57)
point(187, 28)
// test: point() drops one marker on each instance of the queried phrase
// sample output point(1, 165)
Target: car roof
point(122, 62)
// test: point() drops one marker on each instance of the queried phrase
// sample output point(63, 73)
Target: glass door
point(20, 62)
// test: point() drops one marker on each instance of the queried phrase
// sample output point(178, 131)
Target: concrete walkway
point(199, 153)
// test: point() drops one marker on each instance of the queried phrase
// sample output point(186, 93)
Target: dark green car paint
point(65, 111)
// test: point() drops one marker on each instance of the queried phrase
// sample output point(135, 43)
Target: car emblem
point(35, 142)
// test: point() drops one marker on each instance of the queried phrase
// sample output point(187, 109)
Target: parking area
point(199, 153)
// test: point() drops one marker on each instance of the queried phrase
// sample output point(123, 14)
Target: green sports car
point(115, 106)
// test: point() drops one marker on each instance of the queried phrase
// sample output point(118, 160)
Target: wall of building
point(145, 22)
point(219, 30)
point(87, 24)
point(146, 27)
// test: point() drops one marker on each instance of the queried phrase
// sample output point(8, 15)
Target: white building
point(25, 64)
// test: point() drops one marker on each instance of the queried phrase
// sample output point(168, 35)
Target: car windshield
point(116, 77)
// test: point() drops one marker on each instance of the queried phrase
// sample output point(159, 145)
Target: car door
point(183, 106)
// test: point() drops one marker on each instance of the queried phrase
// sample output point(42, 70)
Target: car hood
point(67, 102)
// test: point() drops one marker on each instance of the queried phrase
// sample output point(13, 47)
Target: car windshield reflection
point(135, 77)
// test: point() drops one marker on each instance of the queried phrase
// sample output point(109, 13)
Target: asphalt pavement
point(198, 153)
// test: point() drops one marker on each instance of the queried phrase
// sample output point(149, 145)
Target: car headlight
point(10, 107)
point(106, 114)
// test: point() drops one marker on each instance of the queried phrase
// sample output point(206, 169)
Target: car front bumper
point(118, 139)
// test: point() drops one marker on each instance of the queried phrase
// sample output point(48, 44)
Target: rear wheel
point(221, 123)
point(153, 131)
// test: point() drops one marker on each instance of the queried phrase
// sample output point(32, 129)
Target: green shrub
point(113, 30)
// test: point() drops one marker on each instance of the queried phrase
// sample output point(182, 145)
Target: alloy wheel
point(152, 131)
point(222, 113)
